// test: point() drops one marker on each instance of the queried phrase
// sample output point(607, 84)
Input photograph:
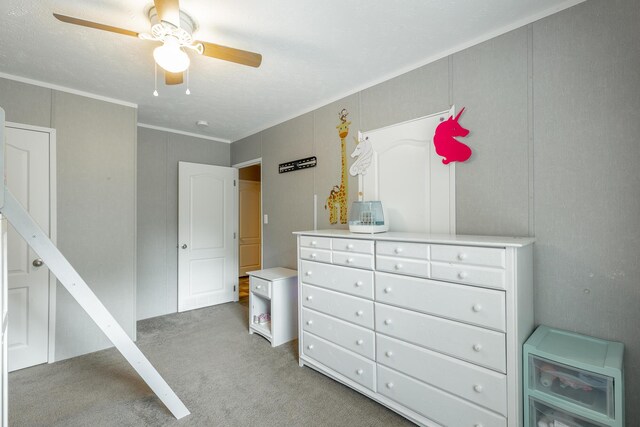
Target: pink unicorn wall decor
point(447, 146)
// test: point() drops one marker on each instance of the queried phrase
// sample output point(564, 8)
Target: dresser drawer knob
point(462, 275)
point(350, 246)
point(477, 388)
point(259, 287)
point(387, 321)
point(387, 290)
point(310, 347)
point(310, 297)
point(389, 385)
point(359, 342)
point(314, 243)
point(477, 347)
point(477, 308)
point(397, 250)
point(462, 256)
point(349, 260)
point(359, 313)
point(359, 283)
point(309, 322)
point(478, 425)
point(397, 266)
point(308, 273)
point(313, 255)
point(359, 371)
point(388, 353)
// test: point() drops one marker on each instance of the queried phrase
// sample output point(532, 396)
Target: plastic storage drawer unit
point(572, 379)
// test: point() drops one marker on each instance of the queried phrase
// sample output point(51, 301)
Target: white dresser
point(431, 326)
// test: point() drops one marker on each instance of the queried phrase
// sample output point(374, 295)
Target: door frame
point(257, 161)
point(53, 227)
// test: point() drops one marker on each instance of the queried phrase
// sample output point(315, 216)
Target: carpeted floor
point(225, 376)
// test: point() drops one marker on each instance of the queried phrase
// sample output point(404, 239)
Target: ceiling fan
point(174, 28)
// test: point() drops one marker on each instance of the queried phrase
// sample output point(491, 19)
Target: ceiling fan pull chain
point(188, 92)
point(155, 79)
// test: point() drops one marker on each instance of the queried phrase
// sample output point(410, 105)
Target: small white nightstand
point(274, 291)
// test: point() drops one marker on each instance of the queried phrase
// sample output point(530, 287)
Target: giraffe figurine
point(339, 194)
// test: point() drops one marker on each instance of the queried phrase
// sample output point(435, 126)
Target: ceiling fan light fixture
point(171, 58)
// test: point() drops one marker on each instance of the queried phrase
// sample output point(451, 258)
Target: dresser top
point(446, 239)
point(272, 274)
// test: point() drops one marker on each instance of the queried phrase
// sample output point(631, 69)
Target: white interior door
point(250, 227)
point(207, 248)
point(417, 191)
point(27, 173)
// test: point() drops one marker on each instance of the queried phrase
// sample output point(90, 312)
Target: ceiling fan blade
point(90, 24)
point(230, 54)
point(168, 11)
point(173, 78)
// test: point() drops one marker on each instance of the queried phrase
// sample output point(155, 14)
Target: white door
point(417, 191)
point(250, 225)
point(27, 172)
point(207, 217)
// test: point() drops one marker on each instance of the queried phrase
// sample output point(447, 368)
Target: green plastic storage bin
point(573, 380)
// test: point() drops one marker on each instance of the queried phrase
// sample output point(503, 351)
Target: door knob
point(37, 262)
point(184, 246)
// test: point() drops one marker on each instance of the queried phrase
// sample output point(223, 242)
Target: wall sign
point(447, 146)
point(295, 165)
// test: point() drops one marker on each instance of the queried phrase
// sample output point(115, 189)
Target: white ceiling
point(314, 52)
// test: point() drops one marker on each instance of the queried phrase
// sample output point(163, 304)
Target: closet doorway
point(249, 222)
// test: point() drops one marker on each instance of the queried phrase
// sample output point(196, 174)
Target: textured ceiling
point(314, 52)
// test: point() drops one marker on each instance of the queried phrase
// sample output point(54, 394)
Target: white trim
point(181, 132)
point(257, 161)
point(53, 227)
point(67, 89)
point(462, 46)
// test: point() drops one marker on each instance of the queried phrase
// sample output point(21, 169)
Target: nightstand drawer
point(352, 366)
point(315, 242)
point(342, 279)
point(482, 276)
point(483, 307)
point(478, 385)
point(470, 255)
point(352, 309)
point(353, 245)
point(439, 406)
point(410, 267)
point(476, 345)
point(260, 287)
point(403, 249)
point(320, 255)
point(353, 260)
point(352, 337)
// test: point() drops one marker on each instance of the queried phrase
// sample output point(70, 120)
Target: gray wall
point(158, 156)
point(554, 114)
point(96, 190)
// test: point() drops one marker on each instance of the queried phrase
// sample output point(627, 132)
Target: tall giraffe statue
point(340, 194)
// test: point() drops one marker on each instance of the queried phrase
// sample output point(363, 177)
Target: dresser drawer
point(353, 245)
point(411, 267)
point(403, 249)
point(260, 286)
point(484, 307)
point(345, 307)
point(488, 257)
point(342, 279)
point(352, 366)
point(482, 276)
point(315, 242)
point(321, 255)
point(435, 404)
point(352, 337)
point(471, 343)
point(353, 260)
point(478, 385)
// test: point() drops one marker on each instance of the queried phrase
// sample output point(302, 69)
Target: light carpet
point(225, 376)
